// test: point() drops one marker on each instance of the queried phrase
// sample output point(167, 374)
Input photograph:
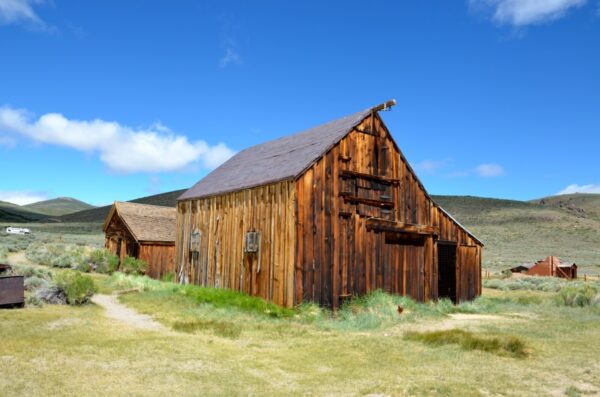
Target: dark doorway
point(447, 271)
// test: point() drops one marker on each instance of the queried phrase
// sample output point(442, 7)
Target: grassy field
point(84, 234)
point(220, 346)
point(214, 342)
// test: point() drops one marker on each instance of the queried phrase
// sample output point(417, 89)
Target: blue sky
point(113, 100)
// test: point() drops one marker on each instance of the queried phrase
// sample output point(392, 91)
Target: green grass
point(80, 234)
point(229, 351)
point(226, 329)
point(505, 345)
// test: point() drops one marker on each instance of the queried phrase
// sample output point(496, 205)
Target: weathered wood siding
point(118, 239)
point(160, 259)
point(222, 222)
point(349, 205)
point(159, 256)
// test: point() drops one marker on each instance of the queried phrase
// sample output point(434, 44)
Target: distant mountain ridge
point(10, 212)
point(168, 199)
point(58, 206)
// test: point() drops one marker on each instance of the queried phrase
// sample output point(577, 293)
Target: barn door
point(469, 272)
point(447, 271)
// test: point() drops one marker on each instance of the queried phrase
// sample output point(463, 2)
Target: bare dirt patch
point(18, 258)
point(119, 312)
point(458, 320)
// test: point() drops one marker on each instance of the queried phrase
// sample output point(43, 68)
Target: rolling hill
point(517, 231)
point(10, 212)
point(58, 206)
point(98, 214)
point(582, 205)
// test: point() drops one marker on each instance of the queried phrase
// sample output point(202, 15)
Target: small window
point(252, 242)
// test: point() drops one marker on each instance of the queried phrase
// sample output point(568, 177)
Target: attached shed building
point(145, 232)
point(324, 215)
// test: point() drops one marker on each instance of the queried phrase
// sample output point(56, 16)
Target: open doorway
point(447, 271)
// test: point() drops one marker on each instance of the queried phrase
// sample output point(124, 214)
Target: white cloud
point(526, 12)
point(121, 148)
point(16, 11)
point(575, 188)
point(431, 166)
point(231, 57)
point(22, 198)
point(489, 170)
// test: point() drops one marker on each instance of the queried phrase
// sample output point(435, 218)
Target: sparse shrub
point(310, 312)
point(572, 391)
point(84, 267)
point(510, 345)
point(133, 266)
point(3, 254)
point(33, 300)
point(31, 271)
point(52, 294)
point(102, 261)
point(220, 328)
point(143, 283)
point(595, 301)
point(77, 287)
point(34, 282)
point(63, 261)
point(577, 295)
point(168, 277)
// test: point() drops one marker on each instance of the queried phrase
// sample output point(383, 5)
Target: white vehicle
point(17, 230)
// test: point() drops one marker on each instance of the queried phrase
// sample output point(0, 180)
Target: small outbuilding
point(323, 215)
point(551, 267)
point(145, 232)
point(521, 268)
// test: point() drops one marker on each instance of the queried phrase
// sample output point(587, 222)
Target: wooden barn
point(146, 232)
point(551, 267)
point(324, 215)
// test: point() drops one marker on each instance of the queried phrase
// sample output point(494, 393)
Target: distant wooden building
point(146, 232)
point(551, 266)
point(323, 215)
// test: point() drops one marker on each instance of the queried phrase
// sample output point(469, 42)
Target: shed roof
point(273, 161)
point(151, 223)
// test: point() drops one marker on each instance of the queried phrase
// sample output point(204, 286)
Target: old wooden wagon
point(323, 215)
point(146, 232)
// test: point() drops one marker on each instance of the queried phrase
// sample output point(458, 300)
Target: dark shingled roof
point(269, 162)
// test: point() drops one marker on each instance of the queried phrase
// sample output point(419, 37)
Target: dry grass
point(62, 350)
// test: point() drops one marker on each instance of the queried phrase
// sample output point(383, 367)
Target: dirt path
point(118, 311)
point(458, 320)
point(17, 258)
